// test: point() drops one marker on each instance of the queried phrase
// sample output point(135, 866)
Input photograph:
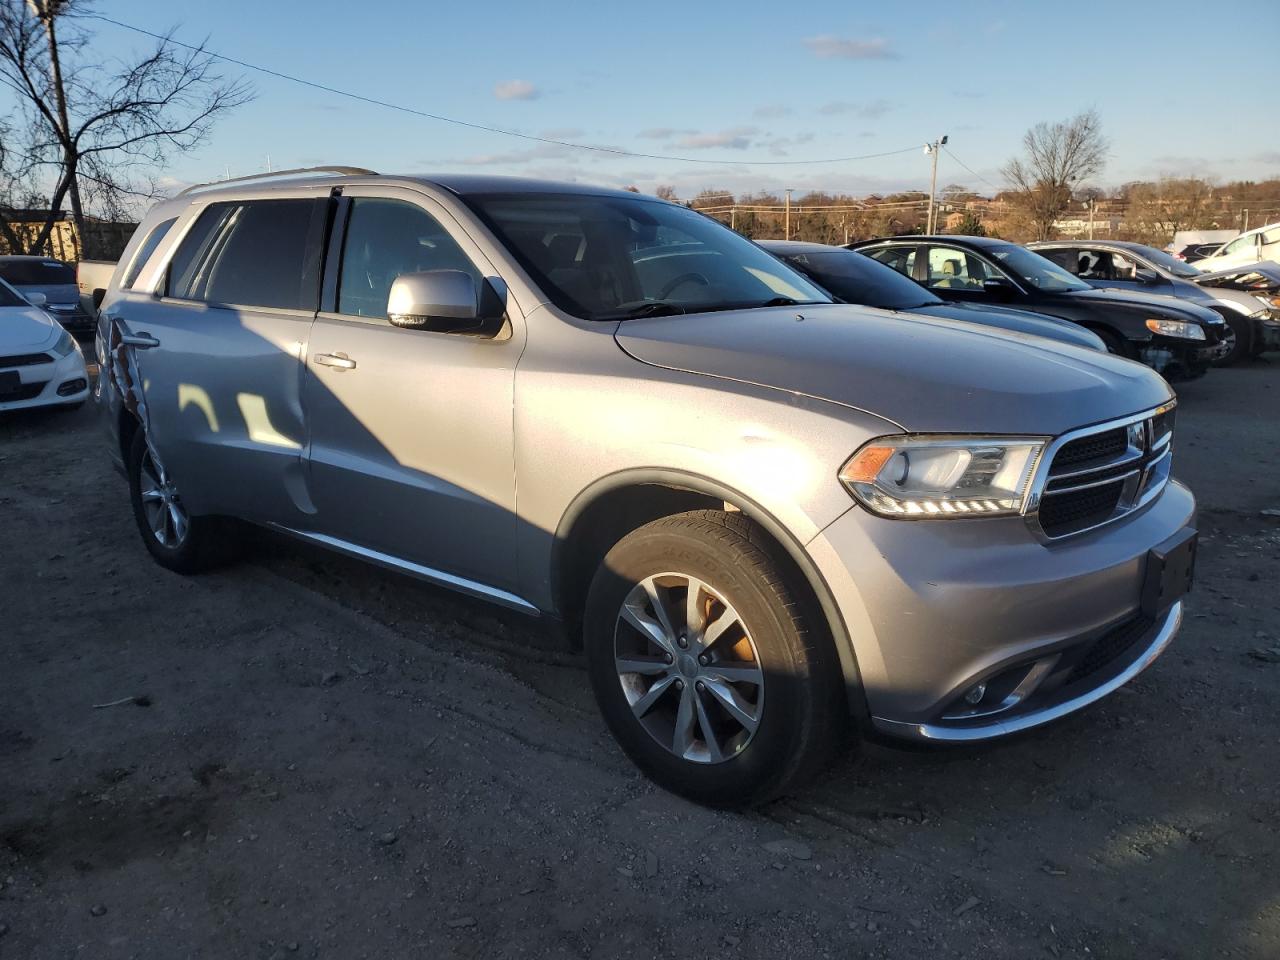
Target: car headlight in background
point(1268, 300)
point(65, 346)
point(925, 477)
point(1176, 328)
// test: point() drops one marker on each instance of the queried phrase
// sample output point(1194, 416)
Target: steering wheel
point(679, 281)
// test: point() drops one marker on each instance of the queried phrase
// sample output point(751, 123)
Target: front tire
point(706, 668)
point(176, 540)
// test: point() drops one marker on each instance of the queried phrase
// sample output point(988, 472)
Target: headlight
point(1176, 328)
point(65, 346)
point(1268, 300)
point(926, 477)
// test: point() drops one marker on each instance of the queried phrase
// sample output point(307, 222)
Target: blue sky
point(742, 81)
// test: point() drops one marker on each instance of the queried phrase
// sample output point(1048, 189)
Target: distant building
point(103, 239)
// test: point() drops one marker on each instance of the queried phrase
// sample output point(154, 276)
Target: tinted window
point(36, 273)
point(1096, 264)
point(606, 257)
point(1167, 262)
point(856, 278)
point(261, 253)
point(1034, 269)
point(10, 297)
point(386, 238)
point(902, 259)
point(145, 251)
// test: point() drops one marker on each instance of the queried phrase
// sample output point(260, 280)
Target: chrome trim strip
point(1097, 483)
point(430, 574)
point(941, 734)
point(1128, 458)
point(1042, 476)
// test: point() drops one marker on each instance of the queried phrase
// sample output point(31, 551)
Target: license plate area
point(1170, 571)
point(10, 382)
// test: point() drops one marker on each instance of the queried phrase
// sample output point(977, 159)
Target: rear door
point(411, 431)
point(219, 354)
point(957, 274)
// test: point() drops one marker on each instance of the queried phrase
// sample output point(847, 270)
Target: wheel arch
point(615, 505)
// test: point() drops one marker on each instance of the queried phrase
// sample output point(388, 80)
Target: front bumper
point(73, 317)
point(1266, 332)
point(933, 608)
point(40, 384)
point(1174, 357)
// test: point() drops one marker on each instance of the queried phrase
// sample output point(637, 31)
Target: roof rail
point(339, 171)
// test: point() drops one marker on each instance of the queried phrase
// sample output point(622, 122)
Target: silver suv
point(771, 521)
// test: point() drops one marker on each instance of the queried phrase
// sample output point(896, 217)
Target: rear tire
point(753, 700)
point(175, 540)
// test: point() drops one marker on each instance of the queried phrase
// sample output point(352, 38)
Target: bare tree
point(99, 127)
point(1057, 158)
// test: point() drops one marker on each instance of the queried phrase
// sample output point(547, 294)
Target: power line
point(971, 170)
point(614, 151)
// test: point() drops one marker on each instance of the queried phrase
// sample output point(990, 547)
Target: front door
point(218, 356)
point(411, 438)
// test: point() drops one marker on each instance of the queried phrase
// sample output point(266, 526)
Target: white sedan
point(40, 363)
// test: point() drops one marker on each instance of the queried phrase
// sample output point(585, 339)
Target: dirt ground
point(336, 762)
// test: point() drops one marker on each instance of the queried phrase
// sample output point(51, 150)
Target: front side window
point(145, 251)
point(610, 258)
point(1239, 245)
point(1167, 262)
point(257, 253)
point(1105, 265)
point(386, 238)
point(10, 297)
point(1035, 270)
point(857, 278)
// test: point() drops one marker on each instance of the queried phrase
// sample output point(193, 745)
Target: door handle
point(339, 361)
point(140, 340)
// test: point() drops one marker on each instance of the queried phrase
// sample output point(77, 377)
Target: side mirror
point(445, 301)
point(98, 294)
point(1143, 275)
point(36, 299)
point(997, 287)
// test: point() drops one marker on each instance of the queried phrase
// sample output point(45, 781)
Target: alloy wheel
point(689, 668)
point(161, 504)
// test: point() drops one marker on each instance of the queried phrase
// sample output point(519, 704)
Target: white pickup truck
point(92, 278)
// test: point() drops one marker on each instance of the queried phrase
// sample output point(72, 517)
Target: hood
point(1263, 277)
point(26, 330)
point(926, 374)
point(1169, 308)
point(1017, 321)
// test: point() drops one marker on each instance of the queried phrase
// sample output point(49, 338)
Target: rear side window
point(145, 251)
point(902, 259)
point(258, 253)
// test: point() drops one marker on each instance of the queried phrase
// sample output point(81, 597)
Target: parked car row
point(773, 521)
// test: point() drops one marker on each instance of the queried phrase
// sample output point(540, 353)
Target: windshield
point(1167, 262)
point(610, 258)
point(1044, 275)
point(36, 273)
point(10, 297)
point(855, 278)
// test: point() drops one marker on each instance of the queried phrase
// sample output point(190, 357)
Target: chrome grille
point(1097, 475)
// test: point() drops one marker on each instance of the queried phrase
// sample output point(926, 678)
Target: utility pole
point(46, 11)
point(733, 217)
point(1092, 202)
point(1245, 214)
point(786, 223)
point(933, 148)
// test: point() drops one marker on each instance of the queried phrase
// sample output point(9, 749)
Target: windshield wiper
point(785, 302)
point(658, 308)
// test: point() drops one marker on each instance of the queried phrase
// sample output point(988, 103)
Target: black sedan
point(1177, 338)
point(853, 278)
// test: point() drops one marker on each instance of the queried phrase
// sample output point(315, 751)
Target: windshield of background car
point(10, 297)
point(36, 273)
point(607, 258)
point(1044, 275)
point(856, 278)
point(1167, 262)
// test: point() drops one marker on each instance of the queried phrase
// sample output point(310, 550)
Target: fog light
point(975, 694)
point(70, 387)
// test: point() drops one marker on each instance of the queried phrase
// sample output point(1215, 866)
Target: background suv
point(1177, 339)
point(767, 523)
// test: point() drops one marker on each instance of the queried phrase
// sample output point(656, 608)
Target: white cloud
point(516, 90)
point(736, 138)
point(868, 109)
point(838, 48)
point(664, 133)
point(770, 111)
